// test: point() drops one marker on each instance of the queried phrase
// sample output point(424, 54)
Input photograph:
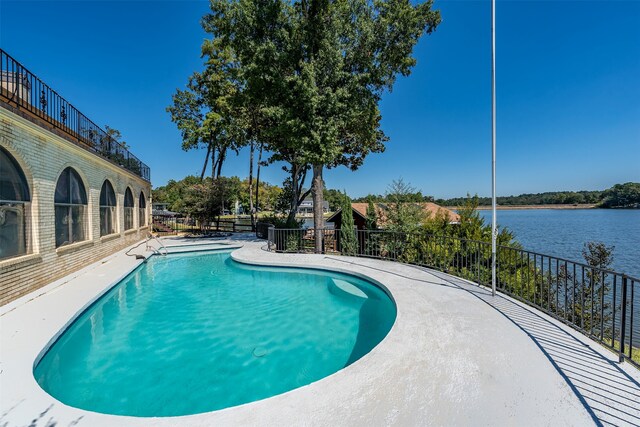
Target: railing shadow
point(610, 394)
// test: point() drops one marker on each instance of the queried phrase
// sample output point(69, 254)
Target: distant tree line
point(619, 196)
point(547, 198)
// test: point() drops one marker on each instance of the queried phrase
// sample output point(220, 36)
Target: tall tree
point(258, 180)
point(352, 52)
point(348, 241)
point(205, 112)
point(371, 220)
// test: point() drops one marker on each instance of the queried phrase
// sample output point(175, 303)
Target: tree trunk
point(206, 161)
point(258, 181)
point(318, 215)
point(221, 157)
point(213, 162)
point(293, 205)
point(252, 149)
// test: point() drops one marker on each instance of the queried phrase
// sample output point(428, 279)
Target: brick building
point(69, 194)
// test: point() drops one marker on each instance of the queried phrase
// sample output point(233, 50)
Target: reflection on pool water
point(192, 333)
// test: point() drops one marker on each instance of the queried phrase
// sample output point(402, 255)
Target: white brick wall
point(43, 156)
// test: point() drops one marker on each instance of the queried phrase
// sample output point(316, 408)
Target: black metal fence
point(298, 240)
point(21, 89)
point(600, 303)
point(173, 225)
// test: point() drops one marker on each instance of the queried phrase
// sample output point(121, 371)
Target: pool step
point(179, 249)
point(344, 288)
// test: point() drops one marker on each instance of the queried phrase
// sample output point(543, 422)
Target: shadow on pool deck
point(610, 394)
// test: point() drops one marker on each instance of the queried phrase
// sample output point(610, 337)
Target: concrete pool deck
point(455, 356)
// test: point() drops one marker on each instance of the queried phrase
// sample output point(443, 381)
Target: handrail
point(23, 90)
point(154, 250)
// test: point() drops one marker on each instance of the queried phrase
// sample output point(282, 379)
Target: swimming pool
point(192, 333)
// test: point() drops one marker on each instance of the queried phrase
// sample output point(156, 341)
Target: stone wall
point(42, 156)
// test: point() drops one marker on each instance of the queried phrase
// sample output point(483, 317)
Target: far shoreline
point(527, 207)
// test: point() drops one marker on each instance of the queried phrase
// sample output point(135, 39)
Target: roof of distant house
point(431, 210)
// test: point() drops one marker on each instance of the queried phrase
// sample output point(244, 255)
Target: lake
point(563, 232)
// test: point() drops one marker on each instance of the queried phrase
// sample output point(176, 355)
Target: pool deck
point(455, 356)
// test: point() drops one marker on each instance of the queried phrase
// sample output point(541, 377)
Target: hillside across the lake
point(619, 196)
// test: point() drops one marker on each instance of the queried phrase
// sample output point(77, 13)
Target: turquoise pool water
point(192, 333)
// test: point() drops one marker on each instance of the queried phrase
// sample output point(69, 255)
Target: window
point(70, 208)
point(14, 208)
point(107, 209)
point(128, 209)
point(142, 211)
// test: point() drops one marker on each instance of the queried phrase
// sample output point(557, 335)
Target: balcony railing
point(600, 303)
point(24, 91)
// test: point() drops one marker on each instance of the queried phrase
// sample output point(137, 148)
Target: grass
point(635, 351)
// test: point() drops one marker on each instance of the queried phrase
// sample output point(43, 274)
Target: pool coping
point(386, 386)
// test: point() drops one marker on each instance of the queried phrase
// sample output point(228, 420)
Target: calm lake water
point(563, 233)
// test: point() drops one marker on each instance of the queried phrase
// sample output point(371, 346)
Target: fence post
point(270, 236)
point(623, 326)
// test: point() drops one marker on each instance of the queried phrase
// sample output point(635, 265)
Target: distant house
point(360, 214)
point(306, 207)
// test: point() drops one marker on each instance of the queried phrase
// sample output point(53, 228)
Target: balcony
point(23, 93)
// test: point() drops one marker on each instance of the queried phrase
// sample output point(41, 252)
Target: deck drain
point(259, 351)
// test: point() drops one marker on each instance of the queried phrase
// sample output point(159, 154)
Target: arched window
point(142, 210)
point(107, 209)
point(71, 208)
point(14, 208)
point(128, 209)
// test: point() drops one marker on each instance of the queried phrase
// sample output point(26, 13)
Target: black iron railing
point(173, 225)
point(21, 89)
point(602, 304)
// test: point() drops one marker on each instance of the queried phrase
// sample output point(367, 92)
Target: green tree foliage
point(549, 198)
point(289, 199)
point(416, 197)
point(348, 241)
point(174, 193)
point(116, 135)
point(371, 220)
point(598, 255)
point(207, 112)
point(200, 199)
point(619, 196)
point(335, 199)
point(116, 149)
point(402, 214)
point(622, 196)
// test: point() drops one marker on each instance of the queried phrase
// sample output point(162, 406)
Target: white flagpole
point(493, 148)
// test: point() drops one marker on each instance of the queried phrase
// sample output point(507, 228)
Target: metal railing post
point(623, 325)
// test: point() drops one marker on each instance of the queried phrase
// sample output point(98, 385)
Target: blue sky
point(568, 91)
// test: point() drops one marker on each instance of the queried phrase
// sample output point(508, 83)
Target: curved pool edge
point(411, 376)
point(381, 291)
